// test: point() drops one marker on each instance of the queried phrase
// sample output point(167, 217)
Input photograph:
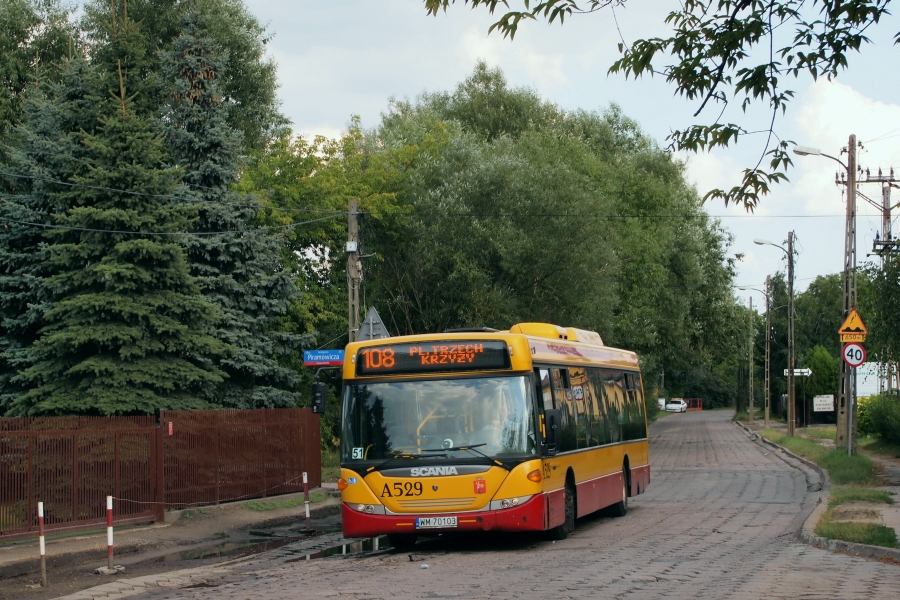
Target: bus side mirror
point(319, 394)
point(554, 433)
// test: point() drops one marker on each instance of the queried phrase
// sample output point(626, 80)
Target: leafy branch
point(712, 57)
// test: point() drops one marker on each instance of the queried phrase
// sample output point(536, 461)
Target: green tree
point(880, 309)
point(824, 379)
point(721, 51)
point(240, 272)
point(126, 330)
point(819, 314)
point(501, 229)
point(248, 84)
point(47, 150)
point(34, 36)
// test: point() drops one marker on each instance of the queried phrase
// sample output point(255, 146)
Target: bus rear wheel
point(562, 532)
point(401, 542)
point(620, 508)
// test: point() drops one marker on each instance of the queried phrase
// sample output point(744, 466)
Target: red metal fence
point(72, 463)
point(694, 403)
point(222, 455)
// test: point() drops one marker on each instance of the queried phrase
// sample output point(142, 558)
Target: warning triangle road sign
point(853, 329)
point(373, 327)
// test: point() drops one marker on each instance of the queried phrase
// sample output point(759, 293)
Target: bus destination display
point(430, 357)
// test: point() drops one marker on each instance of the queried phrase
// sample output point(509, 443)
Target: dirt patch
point(191, 538)
point(859, 515)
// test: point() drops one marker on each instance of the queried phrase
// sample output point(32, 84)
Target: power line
point(162, 233)
point(191, 185)
point(164, 196)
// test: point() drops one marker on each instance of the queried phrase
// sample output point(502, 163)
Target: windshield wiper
point(394, 457)
point(471, 449)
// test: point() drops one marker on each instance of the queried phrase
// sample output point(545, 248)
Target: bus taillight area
point(527, 516)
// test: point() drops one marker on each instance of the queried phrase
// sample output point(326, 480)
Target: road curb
point(847, 547)
point(181, 578)
point(807, 532)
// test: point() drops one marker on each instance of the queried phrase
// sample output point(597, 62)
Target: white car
point(676, 405)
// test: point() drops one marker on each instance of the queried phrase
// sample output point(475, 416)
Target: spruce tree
point(126, 329)
point(45, 150)
point(240, 272)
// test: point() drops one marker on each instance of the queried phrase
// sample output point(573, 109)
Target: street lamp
point(847, 390)
point(789, 253)
point(768, 349)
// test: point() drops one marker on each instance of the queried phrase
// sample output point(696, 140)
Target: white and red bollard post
point(306, 498)
point(109, 532)
point(42, 544)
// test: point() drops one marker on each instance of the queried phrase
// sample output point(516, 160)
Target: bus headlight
point(509, 502)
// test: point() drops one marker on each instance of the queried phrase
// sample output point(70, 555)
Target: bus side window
point(562, 396)
point(546, 389)
point(636, 396)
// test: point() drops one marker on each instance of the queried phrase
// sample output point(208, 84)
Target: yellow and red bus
point(519, 430)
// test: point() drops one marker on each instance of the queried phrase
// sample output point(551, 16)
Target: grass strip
point(853, 470)
point(848, 494)
point(856, 469)
point(820, 433)
point(873, 534)
point(331, 465)
point(258, 505)
point(858, 533)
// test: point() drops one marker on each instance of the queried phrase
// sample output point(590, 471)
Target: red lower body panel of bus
point(530, 516)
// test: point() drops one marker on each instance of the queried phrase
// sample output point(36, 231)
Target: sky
point(339, 58)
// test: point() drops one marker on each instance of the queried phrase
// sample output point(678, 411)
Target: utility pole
point(845, 437)
point(884, 246)
point(768, 354)
point(791, 394)
point(886, 212)
point(751, 361)
point(354, 270)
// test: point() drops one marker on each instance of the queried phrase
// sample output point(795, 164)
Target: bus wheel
point(568, 526)
point(620, 509)
point(401, 542)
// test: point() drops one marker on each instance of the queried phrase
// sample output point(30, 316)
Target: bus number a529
point(407, 488)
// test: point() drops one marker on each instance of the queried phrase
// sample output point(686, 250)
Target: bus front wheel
point(568, 526)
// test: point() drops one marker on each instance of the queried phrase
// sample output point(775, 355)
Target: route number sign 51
point(854, 354)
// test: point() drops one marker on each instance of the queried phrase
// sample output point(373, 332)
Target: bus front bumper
point(529, 516)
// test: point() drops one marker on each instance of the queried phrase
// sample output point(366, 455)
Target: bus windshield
point(384, 419)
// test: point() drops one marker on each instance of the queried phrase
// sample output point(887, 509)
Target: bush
point(863, 416)
point(652, 407)
point(883, 412)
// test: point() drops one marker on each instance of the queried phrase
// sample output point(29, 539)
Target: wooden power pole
point(846, 437)
point(752, 331)
point(792, 410)
point(768, 339)
point(354, 271)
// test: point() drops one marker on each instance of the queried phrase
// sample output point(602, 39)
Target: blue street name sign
point(323, 358)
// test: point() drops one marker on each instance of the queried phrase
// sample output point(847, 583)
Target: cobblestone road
point(718, 521)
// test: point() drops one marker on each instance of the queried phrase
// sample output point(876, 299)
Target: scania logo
point(432, 471)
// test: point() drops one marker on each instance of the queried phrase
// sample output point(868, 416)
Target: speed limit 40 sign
point(854, 354)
